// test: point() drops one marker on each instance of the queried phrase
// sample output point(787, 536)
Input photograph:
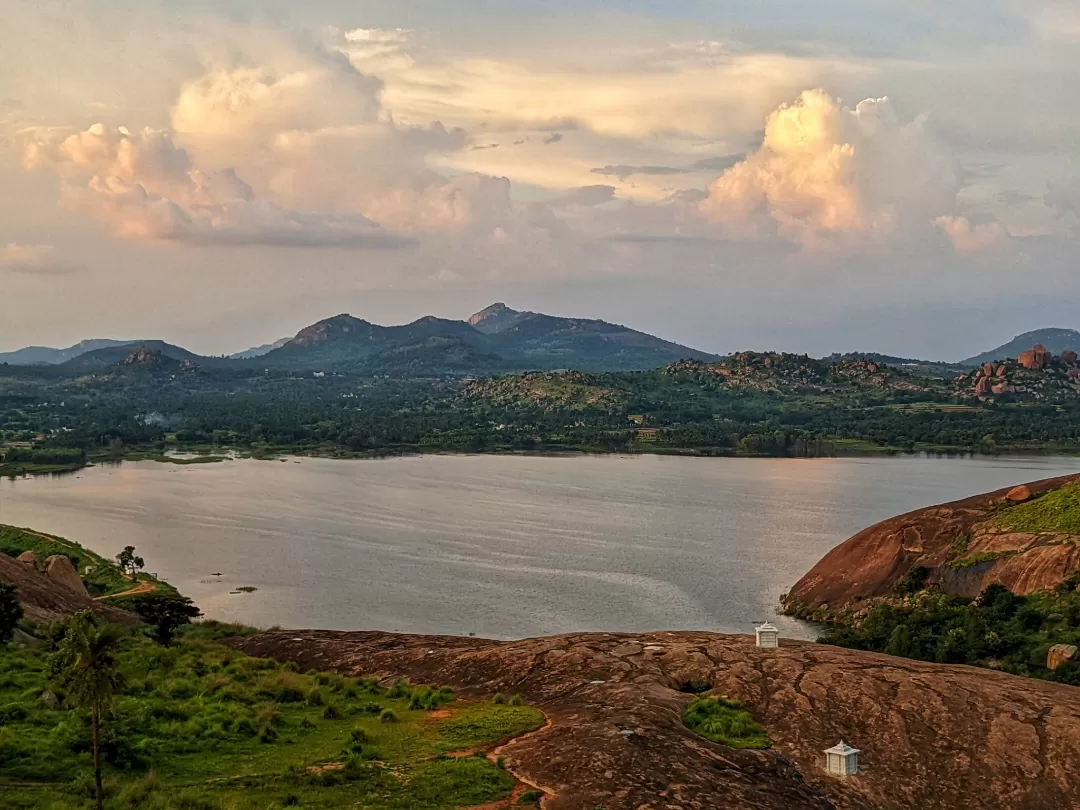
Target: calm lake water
point(498, 546)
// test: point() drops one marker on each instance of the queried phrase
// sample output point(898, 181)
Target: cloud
point(972, 239)
point(554, 137)
point(38, 260)
point(713, 164)
point(586, 196)
point(829, 174)
point(309, 88)
point(141, 185)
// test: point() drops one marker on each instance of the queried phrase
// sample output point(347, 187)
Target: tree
point(128, 562)
point(85, 667)
point(10, 612)
point(165, 612)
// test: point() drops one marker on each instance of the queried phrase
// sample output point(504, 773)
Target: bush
point(531, 797)
point(331, 712)
point(499, 699)
point(358, 735)
point(315, 697)
point(517, 700)
point(726, 722)
point(388, 716)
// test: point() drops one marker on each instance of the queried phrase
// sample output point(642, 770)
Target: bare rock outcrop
point(1035, 358)
point(942, 539)
point(932, 736)
point(30, 558)
point(46, 600)
point(1060, 653)
point(59, 569)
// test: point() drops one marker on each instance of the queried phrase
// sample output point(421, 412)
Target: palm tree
point(86, 668)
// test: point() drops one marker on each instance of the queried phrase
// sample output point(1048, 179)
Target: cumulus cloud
point(142, 185)
point(972, 238)
point(826, 173)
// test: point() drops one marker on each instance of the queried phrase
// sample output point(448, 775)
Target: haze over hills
point(1055, 341)
point(496, 339)
point(44, 355)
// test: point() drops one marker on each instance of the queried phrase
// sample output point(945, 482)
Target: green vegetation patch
point(1056, 512)
point(197, 725)
point(997, 629)
point(726, 722)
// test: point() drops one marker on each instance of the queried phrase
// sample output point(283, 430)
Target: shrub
point(531, 797)
point(358, 735)
point(388, 716)
point(331, 712)
point(517, 700)
point(315, 697)
point(726, 722)
point(268, 734)
point(499, 698)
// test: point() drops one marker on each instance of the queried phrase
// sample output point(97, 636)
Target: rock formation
point(30, 558)
point(1060, 653)
point(46, 600)
point(1035, 358)
point(932, 736)
point(59, 569)
point(941, 539)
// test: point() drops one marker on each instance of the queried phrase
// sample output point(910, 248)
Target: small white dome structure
point(768, 635)
point(842, 760)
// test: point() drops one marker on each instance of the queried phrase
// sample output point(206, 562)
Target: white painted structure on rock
point(767, 635)
point(842, 760)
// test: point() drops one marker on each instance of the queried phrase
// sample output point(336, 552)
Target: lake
point(499, 546)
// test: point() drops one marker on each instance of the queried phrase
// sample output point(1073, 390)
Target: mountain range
point(496, 339)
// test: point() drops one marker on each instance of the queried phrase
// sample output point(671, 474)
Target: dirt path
point(144, 586)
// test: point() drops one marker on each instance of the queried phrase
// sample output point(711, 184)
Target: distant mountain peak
point(495, 318)
point(1055, 339)
point(334, 328)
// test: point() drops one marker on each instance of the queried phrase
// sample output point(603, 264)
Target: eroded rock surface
point(59, 569)
point(46, 600)
point(933, 737)
point(944, 539)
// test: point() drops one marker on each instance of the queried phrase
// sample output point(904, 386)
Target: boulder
point(982, 386)
point(1036, 358)
point(30, 558)
point(1002, 388)
point(988, 369)
point(1068, 357)
point(59, 569)
point(1018, 494)
point(1000, 370)
point(1060, 653)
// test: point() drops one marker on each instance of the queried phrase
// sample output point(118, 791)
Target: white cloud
point(141, 185)
point(827, 174)
point(974, 239)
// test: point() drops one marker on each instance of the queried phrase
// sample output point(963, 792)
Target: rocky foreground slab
point(932, 736)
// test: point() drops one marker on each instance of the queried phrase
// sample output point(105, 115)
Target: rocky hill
point(932, 737)
point(1026, 538)
point(1035, 375)
point(50, 590)
point(1055, 340)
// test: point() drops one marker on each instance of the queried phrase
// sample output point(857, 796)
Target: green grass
point(200, 726)
point(726, 722)
point(974, 559)
point(105, 577)
point(1056, 512)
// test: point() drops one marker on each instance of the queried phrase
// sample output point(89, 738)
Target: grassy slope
point(105, 578)
point(1056, 512)
point(201, 726)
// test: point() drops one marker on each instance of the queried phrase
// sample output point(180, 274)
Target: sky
point(876, 175)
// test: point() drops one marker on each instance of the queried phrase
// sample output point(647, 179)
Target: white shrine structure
point(842, 760)
point(768, 635)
